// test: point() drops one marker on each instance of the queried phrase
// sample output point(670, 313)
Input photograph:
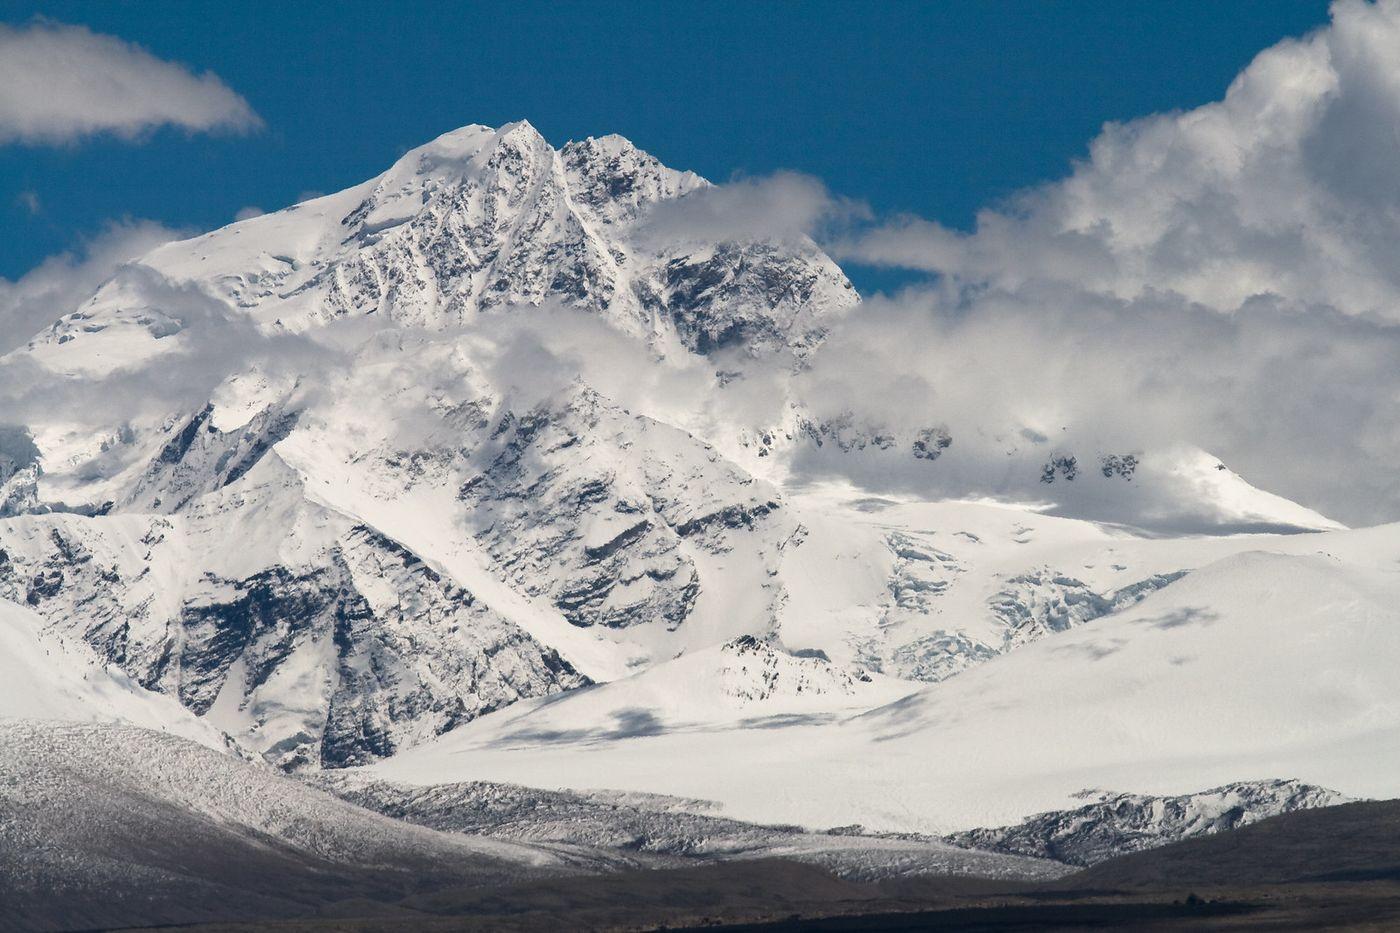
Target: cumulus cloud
point(1299, 400)
point(783, 207)
point(1223, 277)
point(59, 83)
point(1289, 186)
point(57, 285)
point(209, 341)
point(539, 352)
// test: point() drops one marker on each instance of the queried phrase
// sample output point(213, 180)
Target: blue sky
point(935, 109)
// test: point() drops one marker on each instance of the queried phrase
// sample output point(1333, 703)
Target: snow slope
point(742, 684)
point(48, 677)
point(923, 590)
point(1256, 665)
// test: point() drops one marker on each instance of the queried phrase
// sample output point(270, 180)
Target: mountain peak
point(460, 154)
point(609, 144)
point(522, 133)
point(481, 220)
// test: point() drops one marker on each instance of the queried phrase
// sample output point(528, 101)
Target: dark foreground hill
point(1350, 843)
point(1330, 868)
point(1336, 868)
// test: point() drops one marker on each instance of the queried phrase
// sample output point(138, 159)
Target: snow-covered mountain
point(49, 677)
point(274, 556)
point(478, 221)
point(307, 636)
point(480, 471)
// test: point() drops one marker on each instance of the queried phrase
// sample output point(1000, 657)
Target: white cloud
point(784, 206)
point(59, 83)
point(248, 213)
point(57, 285)
point(1289, 186)
point(1300, 401)
point(215, 342)
point(1224, 277)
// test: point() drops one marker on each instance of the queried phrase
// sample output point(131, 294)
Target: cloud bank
point(1224, 277)
point(60, 83)
point(1289, 186)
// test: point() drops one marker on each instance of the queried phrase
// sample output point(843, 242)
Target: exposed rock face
point(930, 443)
point(1115, 824)
point(339, 655)
point(1121, 465)
point(1062, 466)
point(199, 458)
point(754, 670)
point(759, 296)
point(602, 512)
point(19, 491)
point(613, 182)
point(1066, 467)
point(845, 434)
point(479, 220)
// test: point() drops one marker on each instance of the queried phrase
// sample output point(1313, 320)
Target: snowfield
point(1257, 665)
point(46, 677)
